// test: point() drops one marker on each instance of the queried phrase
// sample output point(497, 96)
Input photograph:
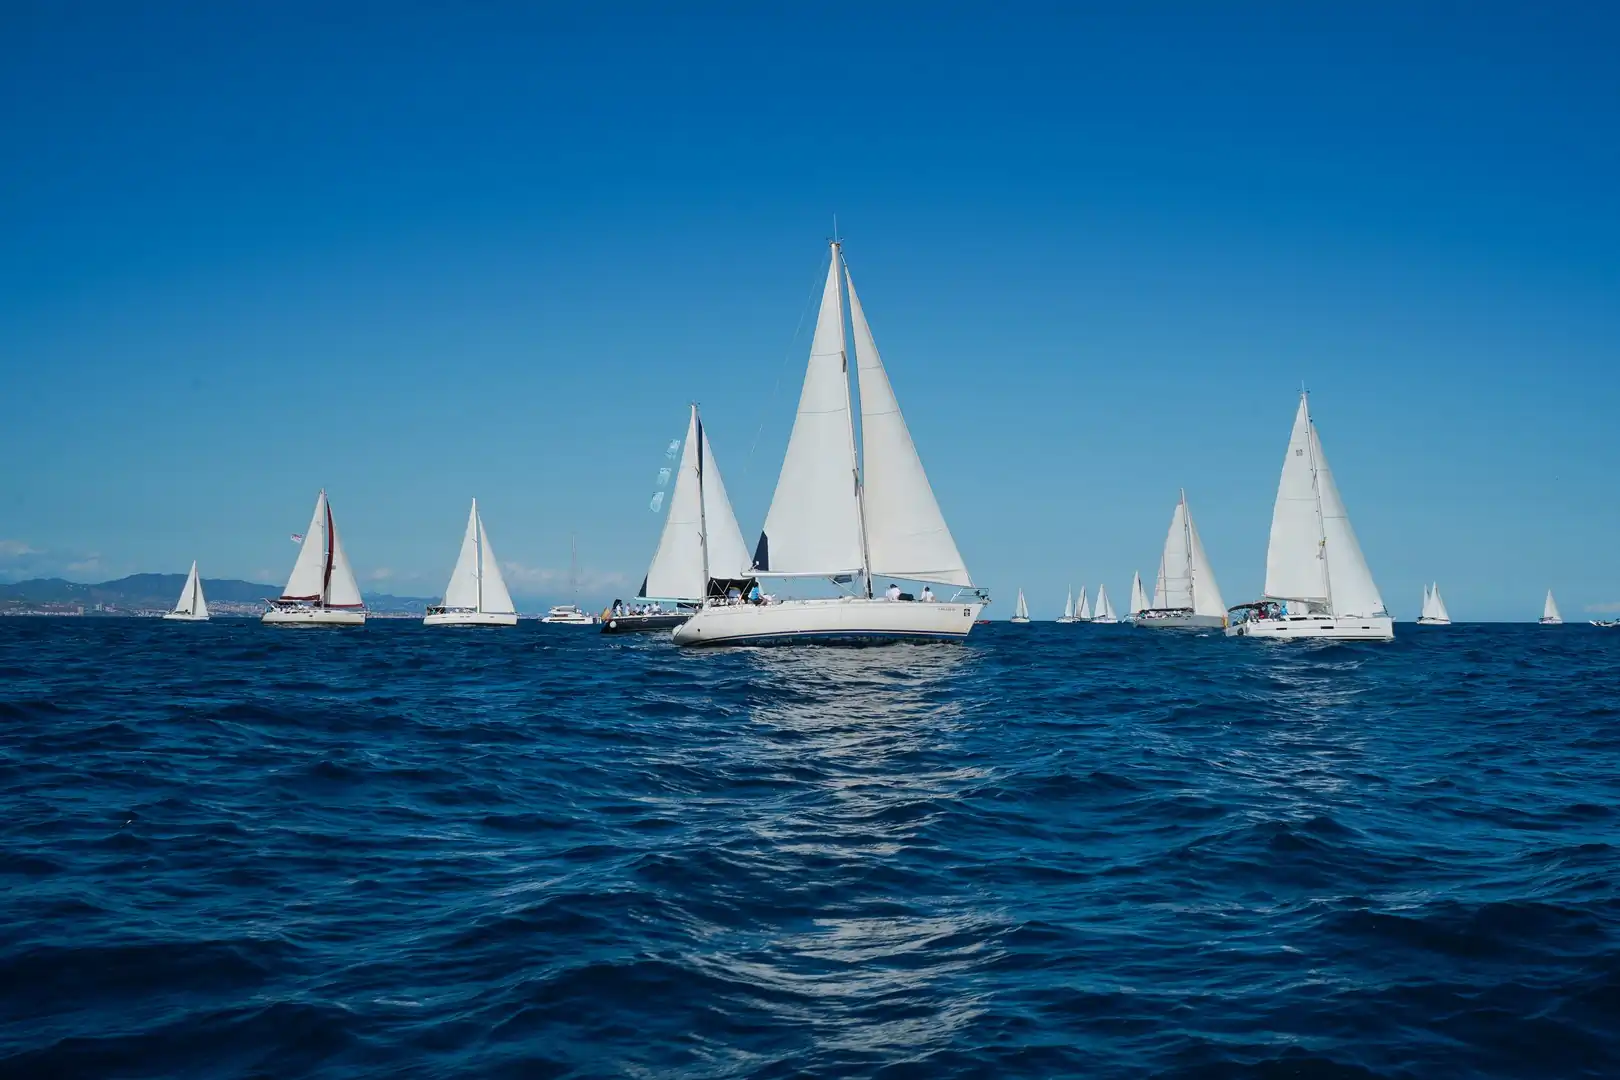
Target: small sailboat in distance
point(1318, 586)
point(1082, 611)
point(1068, 606)
point(1138, 597)
point(1549, 612)
point(1105, 614)
point(476, 595)
point(1434, 608)
point(191, 607)
point(322, 590)
point(1185, 596)
point(1021, 610)
point(570, 614)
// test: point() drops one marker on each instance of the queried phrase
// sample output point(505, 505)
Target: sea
point(235, 851)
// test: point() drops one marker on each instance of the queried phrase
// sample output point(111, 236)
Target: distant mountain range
point(158, 592)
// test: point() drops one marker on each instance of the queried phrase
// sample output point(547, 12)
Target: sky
point(419, 253)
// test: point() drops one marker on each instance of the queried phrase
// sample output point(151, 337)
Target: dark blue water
point(231, 851)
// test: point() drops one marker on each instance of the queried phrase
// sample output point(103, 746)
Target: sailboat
point(476, 595)
point(1068, 606)
point(1082, 613)
point(700, 553)
point(845, 518)
point(191, 607)
point(1105, 614)
point(1549, 612)
point(1185, 596)
point(571, 614)
point(1434, 609)
point(1021, 609)
point(1138, 597)
point(1317, 582)
point(322, 590)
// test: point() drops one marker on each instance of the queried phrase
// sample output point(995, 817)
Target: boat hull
point(632, 624)
point(183, 616)
point(1550, 622)
point(1426, 621)
point(1188, 621)
point(1317, 628)
point(471, 618)
point(312, 616)
point(840, 621)
point(1020, 620)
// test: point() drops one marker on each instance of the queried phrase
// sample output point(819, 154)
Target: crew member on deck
point(894, 591)
point(927, 595)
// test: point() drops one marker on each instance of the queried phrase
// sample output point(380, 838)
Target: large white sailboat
point(700, 553)
point(1068, 606)
point(1021, 609)
point(1434, 611)
point(1317, 582)
point(1185, 596)
point(1105, 614)
point(322, 590)
point(1549, 612)
point(191, 607)
point(476, 595)
point(846, 519)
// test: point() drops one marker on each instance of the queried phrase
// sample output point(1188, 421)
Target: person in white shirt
point(894, 591)
point(927, 595)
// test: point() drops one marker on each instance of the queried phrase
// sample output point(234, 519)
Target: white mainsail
point(1138, 596)
point(1021, 611)
point(1083, 612)
point(906, 535)
point(700, 539)
point(1068, 603)
point(322, 572)
point(1173, 586)
point(476, 583)
point(1549, 610)
point(813, 527)
point(1105, 607)
point(1313, 554)
point(191, 600)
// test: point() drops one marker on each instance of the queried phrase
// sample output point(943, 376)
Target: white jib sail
point(728, 554)
point(1353, 590)
point(1427, 610)
point(1105, 607)
point(1021, 611)
point(1138, 597)
point(1084, 610)
point(342, 590)
point(1295, 569)
point(308, 578)
point(1438, 604)
point(462, 592)
point(1549, 610)
point(813, 525)
point(496, 600)
point(1206, 594)
point(1068, 604)
point(676, 572)
point(191, 600)
point(906, 535)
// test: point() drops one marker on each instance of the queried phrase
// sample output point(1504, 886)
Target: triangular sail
point(1295, 569)
point(1068, 604)
point(1427, 611)
point(462, 592)
point(342, 590)
point(1173, 587)
point(308, 578)
point(906, 535)
point(728, 554)
point(1021, 611)
point(1084, 610)
point(1138, 597)
point(495, 599)
point(1353, 589)
point(676, 571)
point(1549, 610)
point(1105, 606)
point(1438, 604)
point(1206, 594)
point(813, 526)
point(191, 600)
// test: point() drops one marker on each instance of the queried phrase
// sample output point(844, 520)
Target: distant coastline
point(148, 595)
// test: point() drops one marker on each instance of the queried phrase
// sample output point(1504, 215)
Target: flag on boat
point(298, 538)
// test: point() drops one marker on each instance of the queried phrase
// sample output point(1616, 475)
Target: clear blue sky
point(417, 254)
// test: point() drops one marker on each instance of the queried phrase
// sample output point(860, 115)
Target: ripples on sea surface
point(230, 850)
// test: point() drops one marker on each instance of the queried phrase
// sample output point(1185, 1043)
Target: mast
point(1316, 489)
point(1186, 538)
point(703, 518)
point(478, 563)
point(849, 411)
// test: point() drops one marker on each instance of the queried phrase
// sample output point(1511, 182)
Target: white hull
point(1019, 619)
point(471, 618)
point(1104, 622)
point(184, 616)
point(1187, 621)
point(312, 616)
point(840, 620)
point(1426, 621)
point(570, 620)
point(1317, 628)
point(1550, 622)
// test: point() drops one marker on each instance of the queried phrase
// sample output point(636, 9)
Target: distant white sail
point(1205, 592)
point(1021, 611)
point(1138, 596)
point(1083, 612)
point(700, 539)
point(1437, 604)
point(813, 526)
point(1549, 610)
point(1427, 611)
point(906, 535)
point(476, 583)
point(308, 578)
point(1068, 604)
point(728, 554)
point(497, 600)
point(1173, 586)
point(191, 600)
point(1105, 607)
point(342, 590)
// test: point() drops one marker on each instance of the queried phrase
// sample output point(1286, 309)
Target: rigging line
point(776, 387)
